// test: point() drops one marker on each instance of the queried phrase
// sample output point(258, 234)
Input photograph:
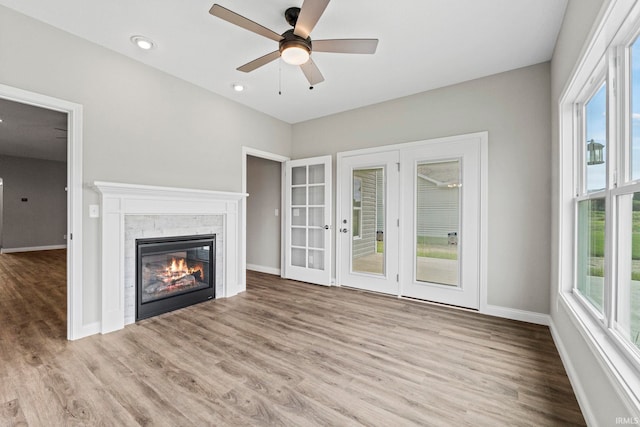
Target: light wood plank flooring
point(283, 353)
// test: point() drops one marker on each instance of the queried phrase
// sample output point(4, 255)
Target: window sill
point(614, 361)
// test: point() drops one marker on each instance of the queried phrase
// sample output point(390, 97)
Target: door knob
point(343, 230)
point(326, 227)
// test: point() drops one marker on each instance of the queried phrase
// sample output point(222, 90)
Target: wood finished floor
point(283, 353)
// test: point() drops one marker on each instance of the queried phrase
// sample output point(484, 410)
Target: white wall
point(42, 219)
point(514, 108)
point(141, 125)
point(601, 403)
point(263, 226)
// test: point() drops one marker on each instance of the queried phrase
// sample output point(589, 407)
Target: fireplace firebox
point(173, 273)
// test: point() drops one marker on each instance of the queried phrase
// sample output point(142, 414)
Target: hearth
point(174, 272)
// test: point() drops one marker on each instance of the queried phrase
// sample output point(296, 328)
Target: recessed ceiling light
point(0, 120)
point(143, 42)
point(237, 87)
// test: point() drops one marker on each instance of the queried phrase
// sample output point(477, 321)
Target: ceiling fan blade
point(257, 63)
point(346, 45)
point(241, 21)
point(310, 13)
point(311, 72)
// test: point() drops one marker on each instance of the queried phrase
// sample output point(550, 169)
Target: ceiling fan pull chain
point(280, 77)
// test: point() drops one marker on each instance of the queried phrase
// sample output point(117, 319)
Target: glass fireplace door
point(173, 273)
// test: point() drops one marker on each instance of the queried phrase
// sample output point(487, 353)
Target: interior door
point(441, 245)
point(368, 222)
point(308, 220)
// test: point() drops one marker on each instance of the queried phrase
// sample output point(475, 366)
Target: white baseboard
point(516, 314)
point(263, 269)
point(32, 249)
point(86, 330)
point(574, 378)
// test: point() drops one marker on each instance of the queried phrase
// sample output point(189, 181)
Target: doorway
point(264, 185)
point(1, 210)
point(411, 219)
point(257, 165)
point(33, 211)
point(70, 133)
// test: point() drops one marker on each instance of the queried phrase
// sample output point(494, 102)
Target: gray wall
point(514, 108)
point(140, 125)
point(263, 226)
point(601, 397)
point(42, 219)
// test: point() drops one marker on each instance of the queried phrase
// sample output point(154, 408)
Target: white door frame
point(75, 325)
point(248, 151)
point(484, 141)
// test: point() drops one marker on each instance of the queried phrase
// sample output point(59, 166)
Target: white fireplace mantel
point(119, 200)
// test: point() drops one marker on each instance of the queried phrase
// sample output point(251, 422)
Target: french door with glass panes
point(368, 222)
point(441, 193)
point(308, 220)
point(410, 220)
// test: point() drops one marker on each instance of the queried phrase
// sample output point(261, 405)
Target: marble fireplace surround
point(130, 211)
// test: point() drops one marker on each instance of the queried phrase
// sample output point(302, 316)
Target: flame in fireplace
point(179, 267)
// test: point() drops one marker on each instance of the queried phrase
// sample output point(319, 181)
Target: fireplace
point(174, 272)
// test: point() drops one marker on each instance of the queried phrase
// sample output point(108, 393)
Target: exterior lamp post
point(595, 154)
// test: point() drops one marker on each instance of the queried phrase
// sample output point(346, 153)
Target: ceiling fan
point(295, 45)
point(61, 130)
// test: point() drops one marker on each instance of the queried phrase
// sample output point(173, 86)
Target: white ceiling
point(28, 131)
point(424, 44)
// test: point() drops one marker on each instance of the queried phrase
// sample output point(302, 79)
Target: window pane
point(628, 316)
point(299, 175)
point(438, 222)
point(299, 196)
point(591, 221)
point(356, 206)
point(635, 110)
point(356, 222)
point(316, 195)
point(596, 141)
point(316, 217)
point(316, 174)
point(367, 245)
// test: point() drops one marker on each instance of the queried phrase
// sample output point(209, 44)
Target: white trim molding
point(574, 378)
point(254, 152)
point(75, 327)
point(264, 269)
point(32, 249)
point(118, 200)
point(516, 314)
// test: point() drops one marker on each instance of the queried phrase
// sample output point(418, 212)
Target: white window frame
point(606, 54)
point(357, 208)
point(597, 80)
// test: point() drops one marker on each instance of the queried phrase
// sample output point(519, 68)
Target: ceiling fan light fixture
point(295, 54)
point(143, 42)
